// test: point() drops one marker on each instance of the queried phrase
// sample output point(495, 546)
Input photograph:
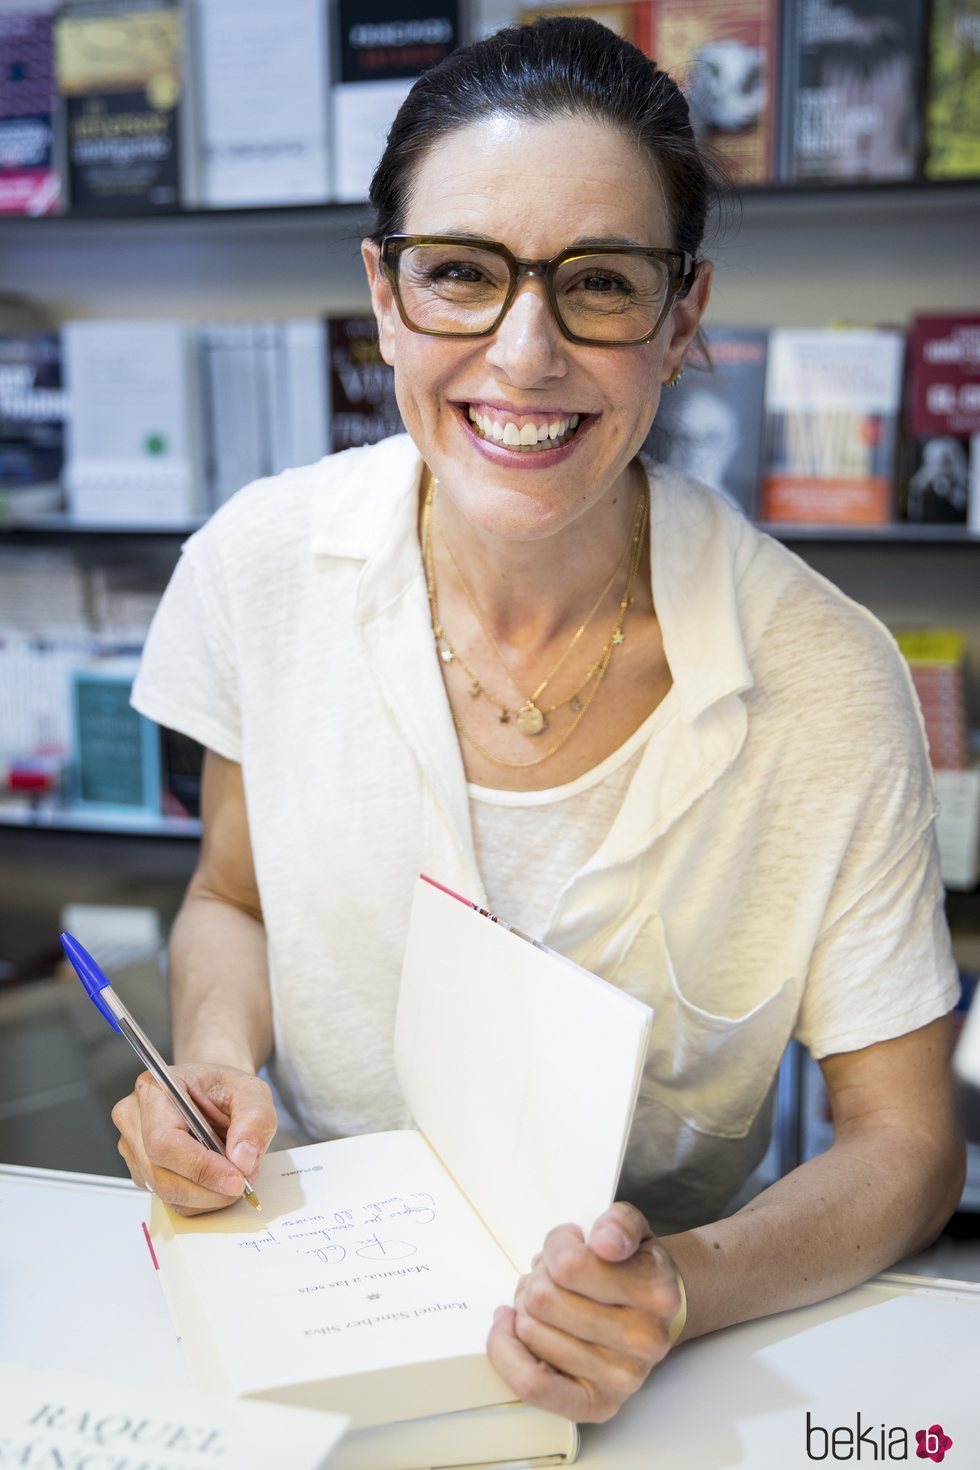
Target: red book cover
point(943, 390)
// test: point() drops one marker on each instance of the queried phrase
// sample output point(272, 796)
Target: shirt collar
point(700, 547)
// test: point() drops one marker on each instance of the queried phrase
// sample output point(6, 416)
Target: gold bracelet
point(679, 1321)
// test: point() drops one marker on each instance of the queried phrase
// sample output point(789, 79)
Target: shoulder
point(344, 499)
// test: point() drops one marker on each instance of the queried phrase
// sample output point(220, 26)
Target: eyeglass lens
point(604, 297)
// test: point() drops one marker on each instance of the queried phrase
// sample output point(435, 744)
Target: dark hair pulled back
point(557, 67)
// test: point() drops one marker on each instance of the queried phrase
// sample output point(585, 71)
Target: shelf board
point(895, 533)
point(60, 523)
point(62, 819)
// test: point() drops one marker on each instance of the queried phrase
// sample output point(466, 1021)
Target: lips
point(530, 433)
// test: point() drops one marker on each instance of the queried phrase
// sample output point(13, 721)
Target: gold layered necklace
point(530, 717)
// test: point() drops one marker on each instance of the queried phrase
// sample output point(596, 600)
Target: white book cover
point(362, 114)
point(60, 1419)
point(262, 89)
point(134, 441)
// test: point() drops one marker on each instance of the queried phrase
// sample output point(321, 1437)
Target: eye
point(603, 283)
point(463, 271)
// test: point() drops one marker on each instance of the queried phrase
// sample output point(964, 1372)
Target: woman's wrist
point(679, 1320)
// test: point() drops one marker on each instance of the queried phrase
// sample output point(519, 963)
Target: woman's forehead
point(536, 185)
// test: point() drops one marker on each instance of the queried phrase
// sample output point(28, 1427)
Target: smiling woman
point(509, 651)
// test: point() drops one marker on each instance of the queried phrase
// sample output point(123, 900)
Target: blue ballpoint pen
point(102, 995)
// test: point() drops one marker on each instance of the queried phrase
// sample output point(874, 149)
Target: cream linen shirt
point(771, 872)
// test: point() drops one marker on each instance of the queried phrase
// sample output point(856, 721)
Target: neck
point(531, 592)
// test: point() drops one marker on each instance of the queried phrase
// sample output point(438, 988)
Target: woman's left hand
point(590, 1320)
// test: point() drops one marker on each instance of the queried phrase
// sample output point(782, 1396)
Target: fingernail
point(231, 1184)
point(245, 1155)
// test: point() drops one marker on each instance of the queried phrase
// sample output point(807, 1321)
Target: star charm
point(618, 637)
point(446, 655)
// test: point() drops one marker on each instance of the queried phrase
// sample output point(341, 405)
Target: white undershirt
point(529, 843)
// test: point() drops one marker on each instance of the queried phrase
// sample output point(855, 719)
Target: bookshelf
point(800, 256)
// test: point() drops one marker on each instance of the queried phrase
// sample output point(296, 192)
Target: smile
point(527, 433)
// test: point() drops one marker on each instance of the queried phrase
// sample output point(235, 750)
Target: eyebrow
point(580, 240)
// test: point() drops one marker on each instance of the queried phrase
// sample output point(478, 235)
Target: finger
point(536, 1382)
point(631, 1332)
point(170, 1158)
point(619, 1232)
point(647, 1281)
point(608, 1374)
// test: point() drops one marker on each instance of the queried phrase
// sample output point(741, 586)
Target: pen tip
point(253, 1200)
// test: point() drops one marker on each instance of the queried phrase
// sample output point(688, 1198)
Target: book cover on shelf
point(135, 440)
point(723, 53)
point(30, 182)
point(711, 424)
point(120, 74)
point(382, 46)
point(833, 400)
point(380, 1258)
point(361, 384)
point(851, 89)
point(634, 20)
point(260, 75)
point(953, 93)
point(935, 657)
point(33, 407)
point(115, 755)
point(941, 418)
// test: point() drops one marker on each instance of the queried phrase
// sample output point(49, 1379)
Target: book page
point(61, 1419)
point(364, 1258)
point(520, 1067)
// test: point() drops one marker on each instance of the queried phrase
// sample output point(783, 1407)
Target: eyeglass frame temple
point(544, 269)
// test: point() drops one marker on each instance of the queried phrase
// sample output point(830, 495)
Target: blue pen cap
point(90, 975)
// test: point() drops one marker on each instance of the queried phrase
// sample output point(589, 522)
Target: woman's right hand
point(163, 1157)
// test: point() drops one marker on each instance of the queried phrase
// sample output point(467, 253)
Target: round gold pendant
point(530, 720)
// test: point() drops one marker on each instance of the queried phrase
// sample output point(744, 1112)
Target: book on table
point(367, 1285)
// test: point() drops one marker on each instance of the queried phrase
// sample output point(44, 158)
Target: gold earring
point(674, 378)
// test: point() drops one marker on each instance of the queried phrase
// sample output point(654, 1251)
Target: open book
point(368, 1283)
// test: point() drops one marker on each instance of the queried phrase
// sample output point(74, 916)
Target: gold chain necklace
point(613, 641)
point(531, 715)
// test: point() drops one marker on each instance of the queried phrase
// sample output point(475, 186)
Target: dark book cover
point(711, 424)
point(119, 68)
point(853, 77)
point(29, 180)
point(33, 410)
point(942, 412)
point(953, 94)
point(723, 53)
point(362, 385)
point(388, 40)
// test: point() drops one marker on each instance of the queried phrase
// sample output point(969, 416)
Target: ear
point(684, 320)
point(382, 299)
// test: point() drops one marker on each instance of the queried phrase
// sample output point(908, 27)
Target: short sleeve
point(885, 965)
point(187, 679)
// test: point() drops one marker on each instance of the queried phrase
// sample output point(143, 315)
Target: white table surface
point(77, 1291)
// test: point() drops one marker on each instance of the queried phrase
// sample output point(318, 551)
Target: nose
point(528, 346)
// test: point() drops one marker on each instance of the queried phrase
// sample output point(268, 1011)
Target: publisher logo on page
point(874, 1442)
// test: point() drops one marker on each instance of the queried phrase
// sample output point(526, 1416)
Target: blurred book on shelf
point(851, 83)
point(135, 452)
point(634, 20)
point(120, 71)
point(710, 425)
point(953, 93)
point(260, 76)
point(723, 54)
point(936, 658)
point(33, 407)
point(362, 385)
point(115, 753)
point(30, 182)
point(833, 401)
point(941, 419)
point(265, 399)
point(381, 47)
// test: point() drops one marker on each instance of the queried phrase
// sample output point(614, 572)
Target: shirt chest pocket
point(713, 1071)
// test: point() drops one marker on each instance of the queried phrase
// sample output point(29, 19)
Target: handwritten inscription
point(347, 1231)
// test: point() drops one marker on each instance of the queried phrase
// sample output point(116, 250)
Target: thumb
point(619, 1232)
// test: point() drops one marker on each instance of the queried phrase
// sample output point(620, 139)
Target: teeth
point(530, 436)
